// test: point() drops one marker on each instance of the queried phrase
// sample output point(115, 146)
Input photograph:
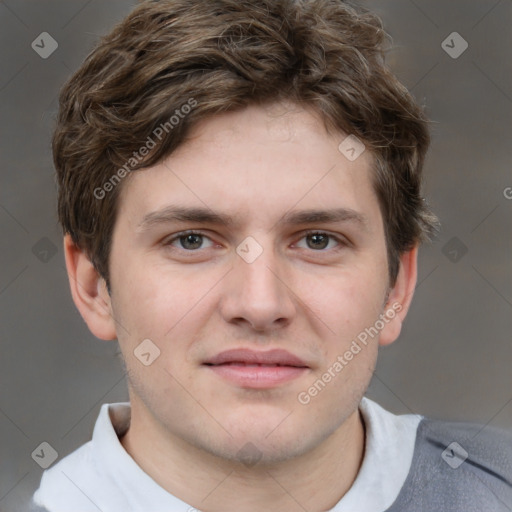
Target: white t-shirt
point(102, 476)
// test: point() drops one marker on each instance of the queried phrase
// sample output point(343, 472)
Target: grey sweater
point(442, 479)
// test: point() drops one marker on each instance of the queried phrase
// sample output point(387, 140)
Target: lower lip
point(257, 376)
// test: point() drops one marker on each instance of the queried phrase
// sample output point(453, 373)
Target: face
point(252, 258)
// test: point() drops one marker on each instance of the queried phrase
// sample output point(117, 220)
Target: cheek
point(141, 310)
point(171, 309)
point(348, 302)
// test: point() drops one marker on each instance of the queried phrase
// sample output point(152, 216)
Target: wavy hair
point(228, 54)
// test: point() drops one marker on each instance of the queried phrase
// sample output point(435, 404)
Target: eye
point(319, 240)
point(188, 240)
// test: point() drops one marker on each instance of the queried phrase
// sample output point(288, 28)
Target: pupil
point(319, 238)
point(194, 240)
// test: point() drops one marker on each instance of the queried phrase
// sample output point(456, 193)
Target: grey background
point(453, 359)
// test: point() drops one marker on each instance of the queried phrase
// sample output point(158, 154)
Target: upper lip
point(242, 355)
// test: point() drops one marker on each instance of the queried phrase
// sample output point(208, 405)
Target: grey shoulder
point(486, 448)
point(458, 467)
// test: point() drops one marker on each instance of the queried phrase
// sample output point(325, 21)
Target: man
point(239, 187)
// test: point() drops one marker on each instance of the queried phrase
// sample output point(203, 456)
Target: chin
point(253, 453)
point(264, 445)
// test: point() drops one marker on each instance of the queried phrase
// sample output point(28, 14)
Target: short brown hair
point(225, 55)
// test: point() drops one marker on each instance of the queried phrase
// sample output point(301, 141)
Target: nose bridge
point(257, 290)
point(257, 265)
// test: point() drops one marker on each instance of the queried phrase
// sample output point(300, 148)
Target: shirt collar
point(389, 448)
point(140, 490)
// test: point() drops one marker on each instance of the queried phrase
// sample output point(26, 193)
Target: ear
point(89, 292)
point(400, 297)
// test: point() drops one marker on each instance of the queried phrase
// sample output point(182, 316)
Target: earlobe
point(400, 297)
point(89, 292)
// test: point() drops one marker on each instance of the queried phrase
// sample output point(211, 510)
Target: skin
point(188, 425)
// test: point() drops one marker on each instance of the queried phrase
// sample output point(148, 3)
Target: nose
point(256, 294)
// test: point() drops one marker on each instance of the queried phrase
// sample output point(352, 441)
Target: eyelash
point(341, 241)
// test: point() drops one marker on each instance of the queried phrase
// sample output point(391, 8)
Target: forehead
point(253, 164)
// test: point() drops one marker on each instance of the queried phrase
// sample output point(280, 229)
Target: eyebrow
point(201, 215)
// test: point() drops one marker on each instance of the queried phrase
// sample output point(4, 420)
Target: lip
point(256, 369)
point(269, 357)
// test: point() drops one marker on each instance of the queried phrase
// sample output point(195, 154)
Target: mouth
point(256, 369)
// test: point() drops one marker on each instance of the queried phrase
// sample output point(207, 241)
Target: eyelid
point(176, 236)
point(340, 239)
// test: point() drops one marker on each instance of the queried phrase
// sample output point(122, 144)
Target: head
point(241, 109)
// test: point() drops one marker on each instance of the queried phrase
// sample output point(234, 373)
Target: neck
point(314, 481)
